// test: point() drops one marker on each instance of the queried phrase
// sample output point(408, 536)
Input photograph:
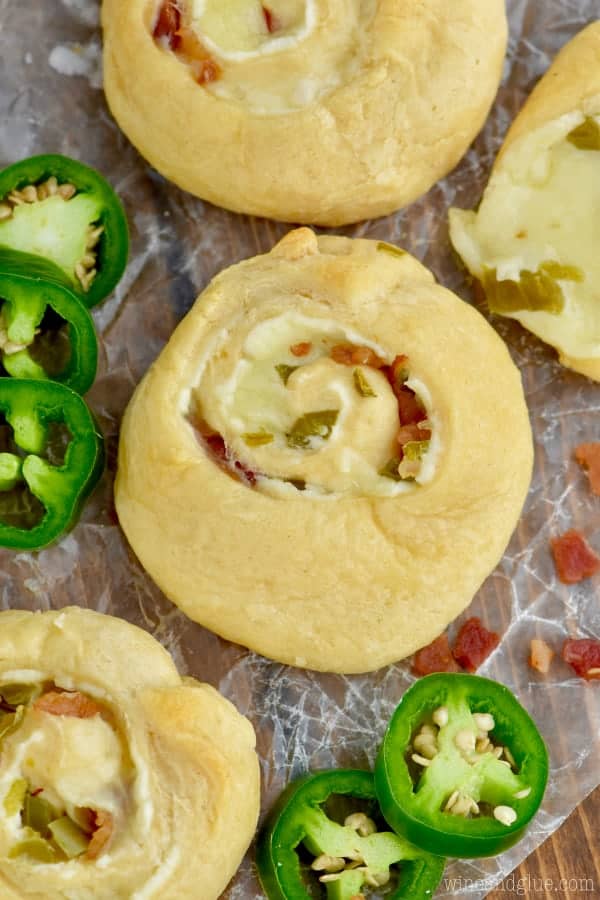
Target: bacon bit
point(86, 818)
point(408, 433)
point(104, 828)
point(185, 42)
point(220, 451)
point(573, 557)
point(436, 657)
point(206, 71)
point(74, 704)
point(352, 355)
point(473, 644)
point(271, 20)
point(248, 474)
point(301, 349)
point(540, 656)
point(217, 446)
point(583, 656)
point(397, 373)
point(409, 407)
point(169, 23)
point(588, 456)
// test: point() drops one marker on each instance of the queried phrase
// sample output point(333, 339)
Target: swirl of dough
point(253, 481)
point(316, 111)
point(119, 780)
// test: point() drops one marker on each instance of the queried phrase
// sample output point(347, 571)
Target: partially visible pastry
point(118, 779)
point(314, 111)
point(329, 456)
point(533, 243)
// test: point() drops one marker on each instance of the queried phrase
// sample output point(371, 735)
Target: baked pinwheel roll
point(533, 243)
point(329, 456)
point(118, 779)
point(314, 111)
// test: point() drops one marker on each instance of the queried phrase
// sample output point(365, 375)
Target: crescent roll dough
point(329, 456)
point(533, 243)
point(320, 111)
point(118, 779)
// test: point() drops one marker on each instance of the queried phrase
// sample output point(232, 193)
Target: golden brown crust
point(369, 147)
point(571, 81)
point(197, 791)
point(354, 583)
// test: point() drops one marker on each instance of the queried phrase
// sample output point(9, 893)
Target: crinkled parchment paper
point(51, 100)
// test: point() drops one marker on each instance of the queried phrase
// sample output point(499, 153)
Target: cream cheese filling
point(276, 56)
point(542, 205)
point(75, 763)
point(237, 30)
point(256, 401)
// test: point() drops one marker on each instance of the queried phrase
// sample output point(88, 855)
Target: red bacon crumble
point(473, 644)
point(409, 407)
point(301, 349)
point(583, 655)
point(271, 20)
point(168, 23)
point(436, 657)
point(73, 704)
point(588, 456)
point(573, 557)
point(352, 355)
point(223, 458)
point(217, 446)
point(103, 831)
point(184, 41)
point(206, 71)
point(409, 433)
point(397, 373)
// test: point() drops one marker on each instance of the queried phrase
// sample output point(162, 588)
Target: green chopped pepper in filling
point(257, 438)
point(535, 291)
point(48, 833)
point(285, 371)
point(361, 383)
point(318, 424)
point(384, 247)
point(586, 136)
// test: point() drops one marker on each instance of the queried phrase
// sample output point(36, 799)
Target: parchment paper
point(51, 101)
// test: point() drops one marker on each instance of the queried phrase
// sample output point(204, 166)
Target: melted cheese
point(78, 762)
point(252, 399)
point(542, 204)
point(303, 58)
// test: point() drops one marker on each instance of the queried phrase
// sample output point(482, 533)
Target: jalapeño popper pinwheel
point(329, 456)
point(323, 111)
point(57, 208)
point(45, 330)
point(533, 242)
point(51, 456)
point(118, 778)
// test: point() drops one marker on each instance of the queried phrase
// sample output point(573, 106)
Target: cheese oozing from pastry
point(273, 57)
point(77, 766)
point(77, 762)
point(309, 420)
point(540, 215)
